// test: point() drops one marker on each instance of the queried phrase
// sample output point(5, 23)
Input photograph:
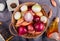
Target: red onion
point(39, 26)
point(36, 18)
point(22, 30)
point(31, 29)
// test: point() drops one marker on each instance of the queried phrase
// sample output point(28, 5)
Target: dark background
point(5, 17)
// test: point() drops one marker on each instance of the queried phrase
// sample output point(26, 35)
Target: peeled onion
point(24, 8)
point(36, 8)
point(17, 15)
point(28, 17)
point(44, 19)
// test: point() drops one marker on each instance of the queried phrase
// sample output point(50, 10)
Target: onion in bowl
point(36, 8)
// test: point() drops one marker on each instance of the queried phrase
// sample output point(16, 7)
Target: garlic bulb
point(44, 19)
point(28, 17)
point(36, 8)
point(24, 8)
point(17, 15)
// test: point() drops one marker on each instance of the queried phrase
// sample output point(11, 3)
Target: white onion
point(28, 17)
point(36, 8)
point(44, 19)
point(24, 8)
point(17, 15)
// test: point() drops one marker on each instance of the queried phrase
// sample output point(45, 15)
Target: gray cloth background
point(5, 17)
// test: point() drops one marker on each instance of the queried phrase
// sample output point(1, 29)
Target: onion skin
point(19, 22)
point(25, 23)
